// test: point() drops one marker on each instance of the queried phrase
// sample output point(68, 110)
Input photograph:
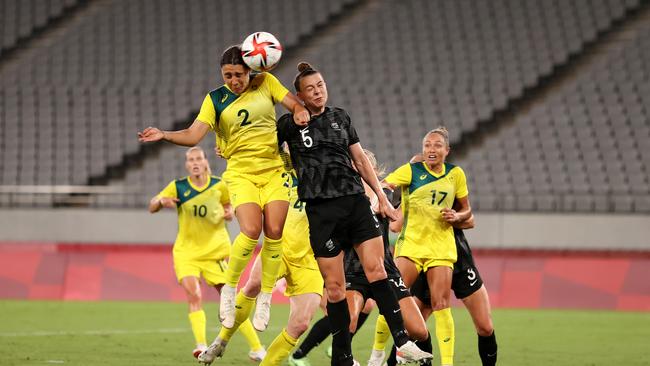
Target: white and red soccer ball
point(261, 51)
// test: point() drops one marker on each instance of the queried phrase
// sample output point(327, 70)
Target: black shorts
point(363, 287)
point(465, 279)
point(336, 223)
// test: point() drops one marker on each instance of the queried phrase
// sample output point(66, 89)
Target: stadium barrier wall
point(493, 230)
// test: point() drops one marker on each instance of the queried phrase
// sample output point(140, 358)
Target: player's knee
point(194, 297)
point(439, 303)
point(419, 332)
point(335, 292)
point(252, 287)
point(375, 271)
point(273, 231)
point(299, 325)
point(485, 329)
point(251, 229)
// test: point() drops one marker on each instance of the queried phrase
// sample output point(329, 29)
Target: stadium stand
point(125, 65)
point(20, 19)
point(401, 70)
point(583, 148)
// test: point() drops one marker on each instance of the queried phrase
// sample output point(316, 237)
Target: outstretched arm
point(186, 137)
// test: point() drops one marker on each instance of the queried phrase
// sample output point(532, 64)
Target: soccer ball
point(261, 51)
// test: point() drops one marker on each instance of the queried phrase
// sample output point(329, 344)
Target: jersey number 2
point(245, 122)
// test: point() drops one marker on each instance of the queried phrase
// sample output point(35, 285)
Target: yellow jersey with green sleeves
point(295, 236)
point(425, 234)
point(202, 232)
point(245, 124)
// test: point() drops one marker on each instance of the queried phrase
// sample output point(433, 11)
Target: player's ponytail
point(304, 69)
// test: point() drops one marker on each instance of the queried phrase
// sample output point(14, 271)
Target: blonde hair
point(207, 163)
point(380, 170)
point(440, 130)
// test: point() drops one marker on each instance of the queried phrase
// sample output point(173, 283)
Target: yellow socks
point(445, 335)
point(271, 260)
point(197, 321)
point(382, 334)
point(247, 330)
point(240, 254)
point(243, 307)
point(279, 350)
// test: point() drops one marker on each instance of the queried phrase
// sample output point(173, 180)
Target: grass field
point(130, 333)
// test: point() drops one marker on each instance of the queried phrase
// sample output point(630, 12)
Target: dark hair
point(232, 56)
point(304, 69)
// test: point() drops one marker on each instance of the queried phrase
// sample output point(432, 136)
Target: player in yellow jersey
point(242, 114)
point(426, 242)
point(202, 244)
point(304, 287)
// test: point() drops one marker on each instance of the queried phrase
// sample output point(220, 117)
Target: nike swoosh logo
point(396, 311)
point(423, 177)
point(473, 282)
point(246, 253)
point(224, 98)
point(275, 256)
point(492, 355)
point(446, 340)
point(187, 193)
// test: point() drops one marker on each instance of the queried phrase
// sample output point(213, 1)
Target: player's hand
point(301, 118)
point(449, 215)
point(417, 158)
point(150, 134)
point(386, 209)
point(228, 212)
point(217, 151)
point(169, 202)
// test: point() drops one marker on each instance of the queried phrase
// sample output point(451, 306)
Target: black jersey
point(320, 154)
point(352, 264)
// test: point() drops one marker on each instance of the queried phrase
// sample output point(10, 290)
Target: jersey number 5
point(306, 140)
point(245, 122)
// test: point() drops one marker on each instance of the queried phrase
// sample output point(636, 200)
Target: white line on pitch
point(93, 332)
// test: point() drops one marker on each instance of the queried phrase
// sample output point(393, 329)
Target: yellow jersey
point(202, 233)
point(245, 124)
point(296, 247)
point(425, 234)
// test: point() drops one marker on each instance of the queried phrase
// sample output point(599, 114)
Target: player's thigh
point(191, 285)
point(275, 215)
point(249, 217)
point(331, 268)
point(214, 271)
point(302, 308)
point(478, 306)
point(371, 256)
point(439, 280)
point(407, 269)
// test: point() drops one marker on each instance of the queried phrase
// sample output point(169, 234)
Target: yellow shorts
point(423, 264)
point(260, 188)
point(213, 271)
point(300, 279)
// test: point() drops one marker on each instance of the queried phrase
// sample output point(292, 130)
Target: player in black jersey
point(339, 212)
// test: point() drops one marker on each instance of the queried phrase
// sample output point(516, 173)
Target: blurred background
point(547, 104)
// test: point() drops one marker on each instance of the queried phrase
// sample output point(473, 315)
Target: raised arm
point(186, 137)
point(300, 114)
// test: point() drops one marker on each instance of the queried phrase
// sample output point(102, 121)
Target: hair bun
point(302, 66)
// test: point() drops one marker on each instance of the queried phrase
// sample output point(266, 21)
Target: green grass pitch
point(153, 333)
